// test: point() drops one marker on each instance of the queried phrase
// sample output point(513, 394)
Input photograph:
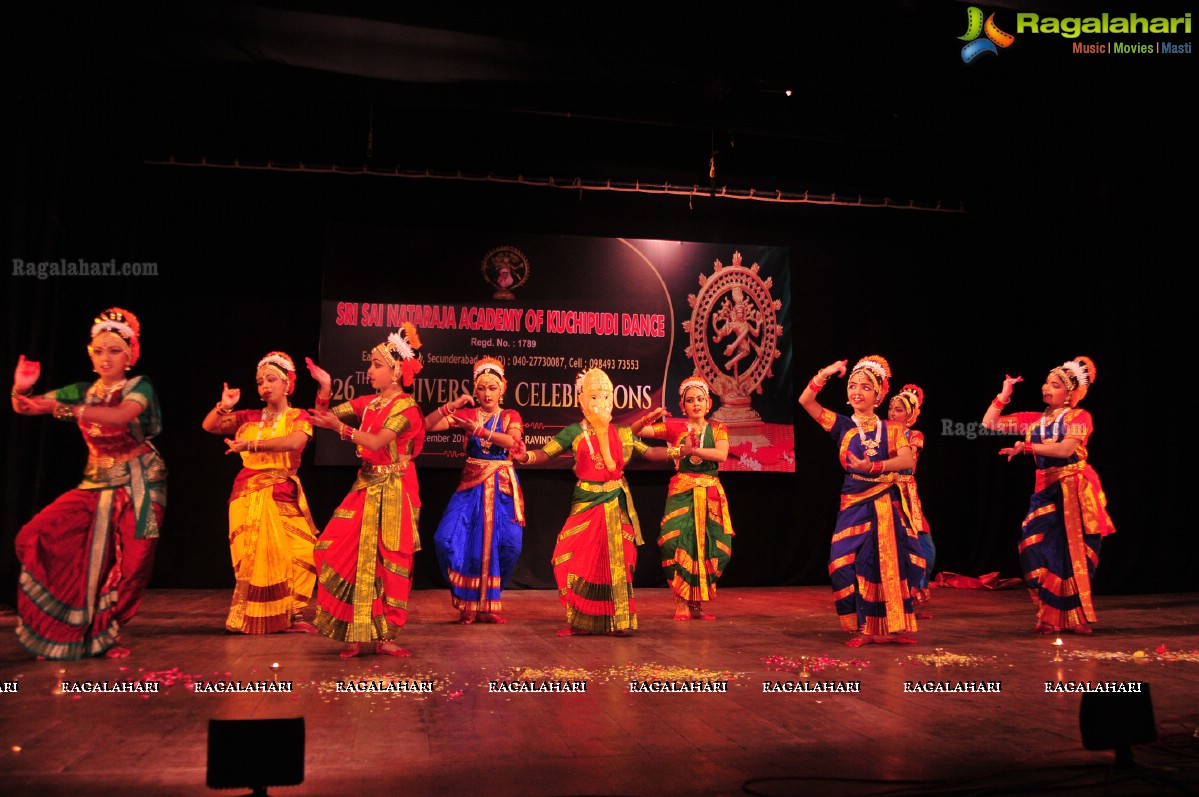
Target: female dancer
point(697, 534)
point(1067, 515)
point(86, 558)
point(905, 409)
point(364, 557)
point(479, 537)
point(271, 532)
point(595, 553)
point(875, 562)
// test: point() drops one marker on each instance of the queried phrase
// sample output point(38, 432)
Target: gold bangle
point(221, 409)
point(529, 457)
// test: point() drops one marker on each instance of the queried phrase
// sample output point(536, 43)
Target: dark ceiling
point(880, 102)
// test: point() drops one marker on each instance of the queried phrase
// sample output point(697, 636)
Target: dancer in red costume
point(86, 558)
point(364, 557)
point(595, 553)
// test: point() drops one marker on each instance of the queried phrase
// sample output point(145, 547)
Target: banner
point(648, 312)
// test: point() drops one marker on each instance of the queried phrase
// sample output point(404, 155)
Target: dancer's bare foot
point(300, 627)
point(621, 632)
point(350, 651)
point(466, 617)
point(572, 631)
point(682, 613)
point(491, 617)
point(391, 649)
point(880, 639)
point(924, 615)
point(117, 652)
point(1046, 628)
point(697, 612)
point(1083, 629)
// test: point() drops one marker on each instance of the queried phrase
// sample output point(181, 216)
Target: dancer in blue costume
point(478, 540)
point(875, 562)
point(1067, 515)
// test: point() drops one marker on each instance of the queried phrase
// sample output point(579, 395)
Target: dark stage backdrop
point(240, 259)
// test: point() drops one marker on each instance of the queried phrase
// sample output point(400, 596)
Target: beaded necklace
point(102, 393)
point(697, 440)
point(270, 417)
point(99, 393)
point(1055, 427)
point(488, 423)
point(869, 446)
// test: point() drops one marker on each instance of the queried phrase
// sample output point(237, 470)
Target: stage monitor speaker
point(1117, 720)
point(255, 754)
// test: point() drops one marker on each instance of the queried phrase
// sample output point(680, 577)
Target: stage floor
point(461, 738)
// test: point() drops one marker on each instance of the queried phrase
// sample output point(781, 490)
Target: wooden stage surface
point(462, 738)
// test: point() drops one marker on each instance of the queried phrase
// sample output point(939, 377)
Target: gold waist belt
point(103, 462)
point(885, 478)
point(601, 487)
point(379, 470)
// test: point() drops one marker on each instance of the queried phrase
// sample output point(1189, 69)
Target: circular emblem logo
point(734, 331)
point(505, 268)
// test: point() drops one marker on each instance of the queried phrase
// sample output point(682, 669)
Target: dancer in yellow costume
point(271, 533)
